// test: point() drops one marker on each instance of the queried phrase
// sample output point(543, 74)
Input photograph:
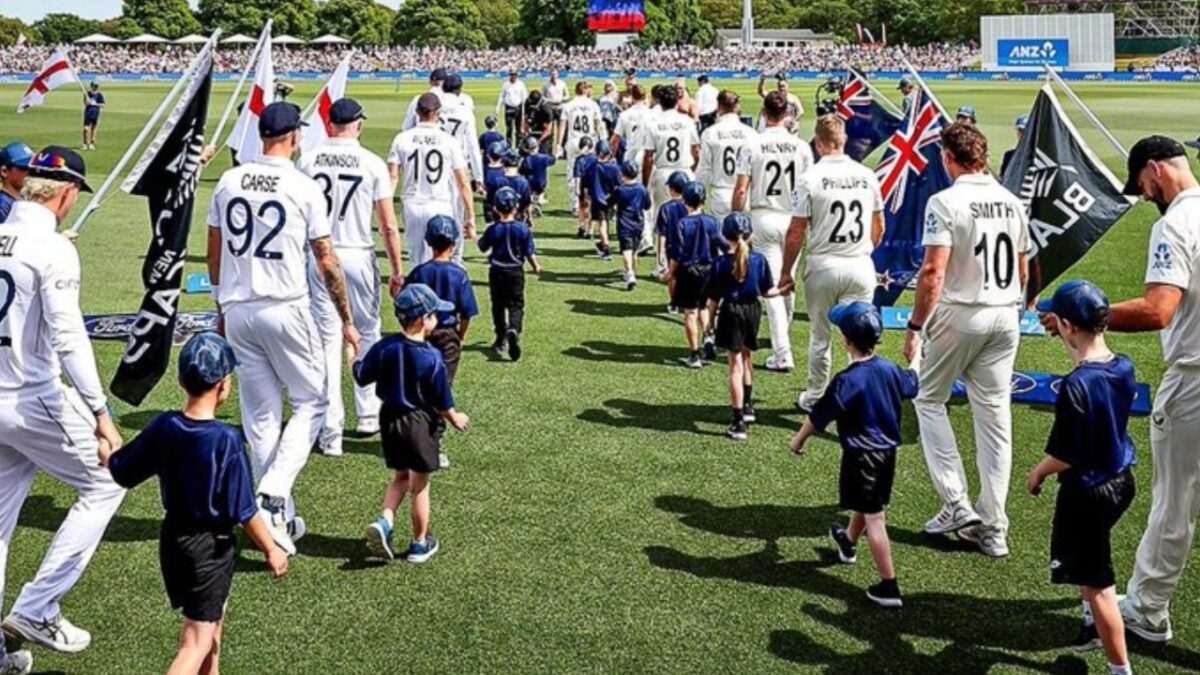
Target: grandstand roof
point(776, 34)
point(96, 38)
point(330, 39)
point(239, 39)
point(146, 38)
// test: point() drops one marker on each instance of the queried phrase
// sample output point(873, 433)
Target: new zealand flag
point(911, 172)
point(868, 124)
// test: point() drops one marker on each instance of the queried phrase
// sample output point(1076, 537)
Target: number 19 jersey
point(774, 162)
point(840, 198)
point(987, 231)
point(267, 212)
point(352, 180)
point(427, 158)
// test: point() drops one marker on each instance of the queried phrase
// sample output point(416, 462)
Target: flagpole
point(94, 203)
point(878, 96)
point(1087, 112)
point(921, 81)
point(78, 79)
point(262, 38)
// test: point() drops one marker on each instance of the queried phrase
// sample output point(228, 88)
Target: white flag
point(245, 140)
point(21, 39)
point(55, 73)
point(319, 127)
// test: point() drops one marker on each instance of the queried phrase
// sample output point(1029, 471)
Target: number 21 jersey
point(774, 162)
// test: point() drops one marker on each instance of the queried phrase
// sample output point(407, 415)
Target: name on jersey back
point(1004, 210)
point(845, 183)
point(338, 161)
point(780, 147)
point(259, 183)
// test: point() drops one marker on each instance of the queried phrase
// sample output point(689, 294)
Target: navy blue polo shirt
point(487, 138)
point(724, 286)
point(493, 180)
point(91, 110)
point(537, 169)
point(632, 201)
point(510, 243)
point(6, 204)
point(523, 190)
point(203, 471)
point(602, 178)
point(864, 400)
point(1091, 420)
point(583, 167)
point(408, 375)
point(700, 240)
point(451, 284)
point(667, 224)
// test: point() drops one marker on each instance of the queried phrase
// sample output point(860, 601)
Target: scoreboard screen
point(616, 16)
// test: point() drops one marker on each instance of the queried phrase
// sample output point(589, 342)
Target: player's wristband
point(914, 327)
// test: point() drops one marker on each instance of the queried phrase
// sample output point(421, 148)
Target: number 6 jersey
point(840, 198)
point(987, 231)
point(267, 212)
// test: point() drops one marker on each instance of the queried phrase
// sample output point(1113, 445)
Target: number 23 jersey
point(840, 198)
point(267, 212)
point(987, 231)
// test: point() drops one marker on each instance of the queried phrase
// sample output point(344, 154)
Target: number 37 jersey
point(840, 198)
point(987, 231)
point(267, 212)
point(352, 180)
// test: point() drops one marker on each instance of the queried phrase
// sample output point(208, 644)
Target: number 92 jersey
point(840, 198)
point(427, 158)
point(774, 162)
point(987, 231)
point(267, 212)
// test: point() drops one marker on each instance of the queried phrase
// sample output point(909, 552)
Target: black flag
point(1071, 196)
point(167, 175)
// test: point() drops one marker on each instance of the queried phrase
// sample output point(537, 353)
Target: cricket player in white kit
point(629, 129)
point(837, 209)
point(966, 323)
point(356, 186)
point(580, 119)
point(436, 179)
point(768, 172)
point(1159, 171)
point(457, 118)
point(266, 219)
point(720, 145)
point(671, 143)
point(437, 78)
point(44, 423)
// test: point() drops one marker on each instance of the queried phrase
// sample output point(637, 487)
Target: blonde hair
point(741, 259)
point(42, 190)
point(830, 131)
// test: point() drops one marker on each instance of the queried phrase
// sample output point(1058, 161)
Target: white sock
point(1088, 619)
point(389, 516)
point(1126, 669)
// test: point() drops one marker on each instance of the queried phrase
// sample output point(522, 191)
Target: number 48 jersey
point(987, 231)
point(774, 162)
point(267, 212)
point(352, 180)
point(840, 198)
point(427, 158)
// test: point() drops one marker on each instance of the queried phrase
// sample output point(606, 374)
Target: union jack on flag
point(868, 124)
point(906, 156)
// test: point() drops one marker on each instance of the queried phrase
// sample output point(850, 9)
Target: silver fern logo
point(1040, 177)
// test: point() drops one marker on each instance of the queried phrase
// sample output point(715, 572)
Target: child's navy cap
point(629, 169)
point(490, 121)
point(603, 148)
point(677, 181)
point(506, 200)
point(1079, 302)
point(510, 158)
point(530, 144)
point(346, 111)
point(694, 194)
point(586, 143)
point(966, 111)
point(736, 225)
point(859, 322)
point(441, 231)
point(1022, 122)
point(418, 300)
point(496, 150)
point(205, 360)
point(278, 119)
point(16, 155)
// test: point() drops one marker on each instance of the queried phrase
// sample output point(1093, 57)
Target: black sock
point(696, 354)
point(747, 393)
point(737, 415)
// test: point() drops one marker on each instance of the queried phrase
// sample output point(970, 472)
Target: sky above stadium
point(89, 9)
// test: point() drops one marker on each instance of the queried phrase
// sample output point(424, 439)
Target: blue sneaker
point(379, 539)
point(421, 553)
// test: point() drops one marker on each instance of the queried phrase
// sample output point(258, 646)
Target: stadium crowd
point(125, 59)
point(1182, 60)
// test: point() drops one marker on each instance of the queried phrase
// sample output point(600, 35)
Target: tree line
point(480, 24)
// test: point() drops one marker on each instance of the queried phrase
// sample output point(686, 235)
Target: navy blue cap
point(603, 148)
point(438, 75)
point(418, 300)
point(16, 155)
point(62, 164)
point(694, 194)
point(677, 181)
point(278, 119)
point(530, 144)
point(453, 84)
point(966, 111)
point(1155, 148)
point(629, 169)
point(496, 150)
point(511, 158)
point(1193, 144)
point(506, 200)
point(441, 231)
point(586, 143)
point(205, 360)
point(860, 322)
point(346, 111)
point(906, 81)
point(490, 121)
point(1079, 302)
point(1023, 122)
point(736, 225)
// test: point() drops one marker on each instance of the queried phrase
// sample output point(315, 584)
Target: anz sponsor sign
point(1054, 52)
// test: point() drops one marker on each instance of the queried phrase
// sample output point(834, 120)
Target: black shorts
point(1080, 542)
point(91, 121)
point(630, 243)
point(690, 283)
point(197, 569)
point(737, 326)
point(411, 440)
point(600, 213)
point(865, 481)
point(449, 343)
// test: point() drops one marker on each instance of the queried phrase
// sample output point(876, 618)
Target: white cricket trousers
point(278, 347)
point(770, 233)
point(417, 215)
point(362, 285)
point(49, 427)
point(830, 281)
point(978, 344)
point(572, 181)
point(1175, 444)
point(720, 203)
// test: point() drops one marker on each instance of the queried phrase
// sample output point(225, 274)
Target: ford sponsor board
point(1034, 52)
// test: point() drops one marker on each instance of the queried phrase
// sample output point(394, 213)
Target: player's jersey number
point(673, 152)
point(327, 188)
point(434, 166)
point(582, 125)
point(776, 171)
point(729, 161)
point(842, 234)
point(998, 258)
point(245, 232)
point(6, 301)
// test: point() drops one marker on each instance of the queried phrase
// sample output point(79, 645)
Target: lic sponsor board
point(1034, 52)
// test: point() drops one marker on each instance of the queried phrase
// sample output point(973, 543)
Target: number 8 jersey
point(267, 212)
point(987, 231)
point(840, 198)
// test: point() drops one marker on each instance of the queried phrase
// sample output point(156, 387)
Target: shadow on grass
point(768, 522)
point(684, 417)
point(603, 351)
point(657, 310)
point(41, 513)
point(589, 279)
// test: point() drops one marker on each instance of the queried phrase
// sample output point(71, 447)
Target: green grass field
point(595, 520)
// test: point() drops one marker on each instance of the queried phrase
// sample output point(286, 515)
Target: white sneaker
point(332, 447)
point(1139, 625)
point(990, 544)
point(16, 663)
point(56, 634)
point(443, 461)
point(278, 528)
point(368, 426)
point(952, 519)
point(777, 365)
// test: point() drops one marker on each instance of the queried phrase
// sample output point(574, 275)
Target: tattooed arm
point(335, 283)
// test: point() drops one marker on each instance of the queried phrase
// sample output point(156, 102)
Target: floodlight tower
point(747, 25)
